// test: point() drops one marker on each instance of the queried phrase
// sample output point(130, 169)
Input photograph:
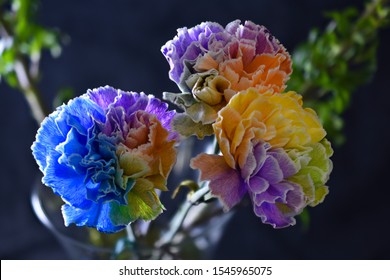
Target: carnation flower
point(278, 119)
point(106, 153)
point(273, 150)
point(210, 64)
point(188, 45)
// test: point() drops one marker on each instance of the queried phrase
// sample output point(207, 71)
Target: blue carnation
point(97, 153)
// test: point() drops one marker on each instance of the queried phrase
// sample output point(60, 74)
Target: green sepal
point(184, 125)
point(183, 100)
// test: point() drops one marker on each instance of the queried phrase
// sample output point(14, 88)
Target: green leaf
point(331, 64)
point(23, 40)
point(12, 80)
point(8, 60)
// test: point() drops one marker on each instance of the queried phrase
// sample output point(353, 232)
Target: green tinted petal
point(143, 203)
point(320, 194)
point(315, 167)
point(186, 127)
point(307, 185)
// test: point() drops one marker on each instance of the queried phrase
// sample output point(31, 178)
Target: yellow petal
point(133, 165)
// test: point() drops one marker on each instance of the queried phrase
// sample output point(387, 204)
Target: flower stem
point(133, 242)
point(126, 245)
point(181, 214)
point(130, 234)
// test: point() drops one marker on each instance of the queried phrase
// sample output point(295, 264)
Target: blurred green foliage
point(63, 96)
point(23, 40)
point(330, 65)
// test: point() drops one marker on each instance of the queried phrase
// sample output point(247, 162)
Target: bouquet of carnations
point(108, 153)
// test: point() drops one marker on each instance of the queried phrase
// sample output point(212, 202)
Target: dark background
point(118, 43)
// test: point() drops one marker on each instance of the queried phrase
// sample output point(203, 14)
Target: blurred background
point(118, 43)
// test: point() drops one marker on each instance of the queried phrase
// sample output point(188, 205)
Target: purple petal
point(288, 201)
point(260, 152)
point(187, 46)
point(254, 159)
point(295, 199)
point(225, 182)
point(257, 185)
point(286, 164)
point(275, 192)
point(271, 171)
point(158, 108)
point(271, 214)
point(103, 96)
point(233, 26)
point(131, 101)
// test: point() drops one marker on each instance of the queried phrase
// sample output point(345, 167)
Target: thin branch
point(26, 81)
point(33, 97)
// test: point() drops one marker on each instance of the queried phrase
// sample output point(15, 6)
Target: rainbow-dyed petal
point(210, 64)
point(105, 153)
point(274, 150)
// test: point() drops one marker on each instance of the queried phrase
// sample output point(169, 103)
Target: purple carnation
point(188, 45)
point(192, 49)
point(211, 64)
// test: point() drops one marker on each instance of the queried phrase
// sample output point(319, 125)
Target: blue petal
point(81, 113)
point(66, 182)
point(97, 216)
point(73, 150)
point(47, 138)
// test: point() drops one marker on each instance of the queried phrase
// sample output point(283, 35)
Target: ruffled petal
point(66, 183)
point(225, 182)
point(289, 202)
point(98, 216)
point(48, 137)
point(105, 153)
